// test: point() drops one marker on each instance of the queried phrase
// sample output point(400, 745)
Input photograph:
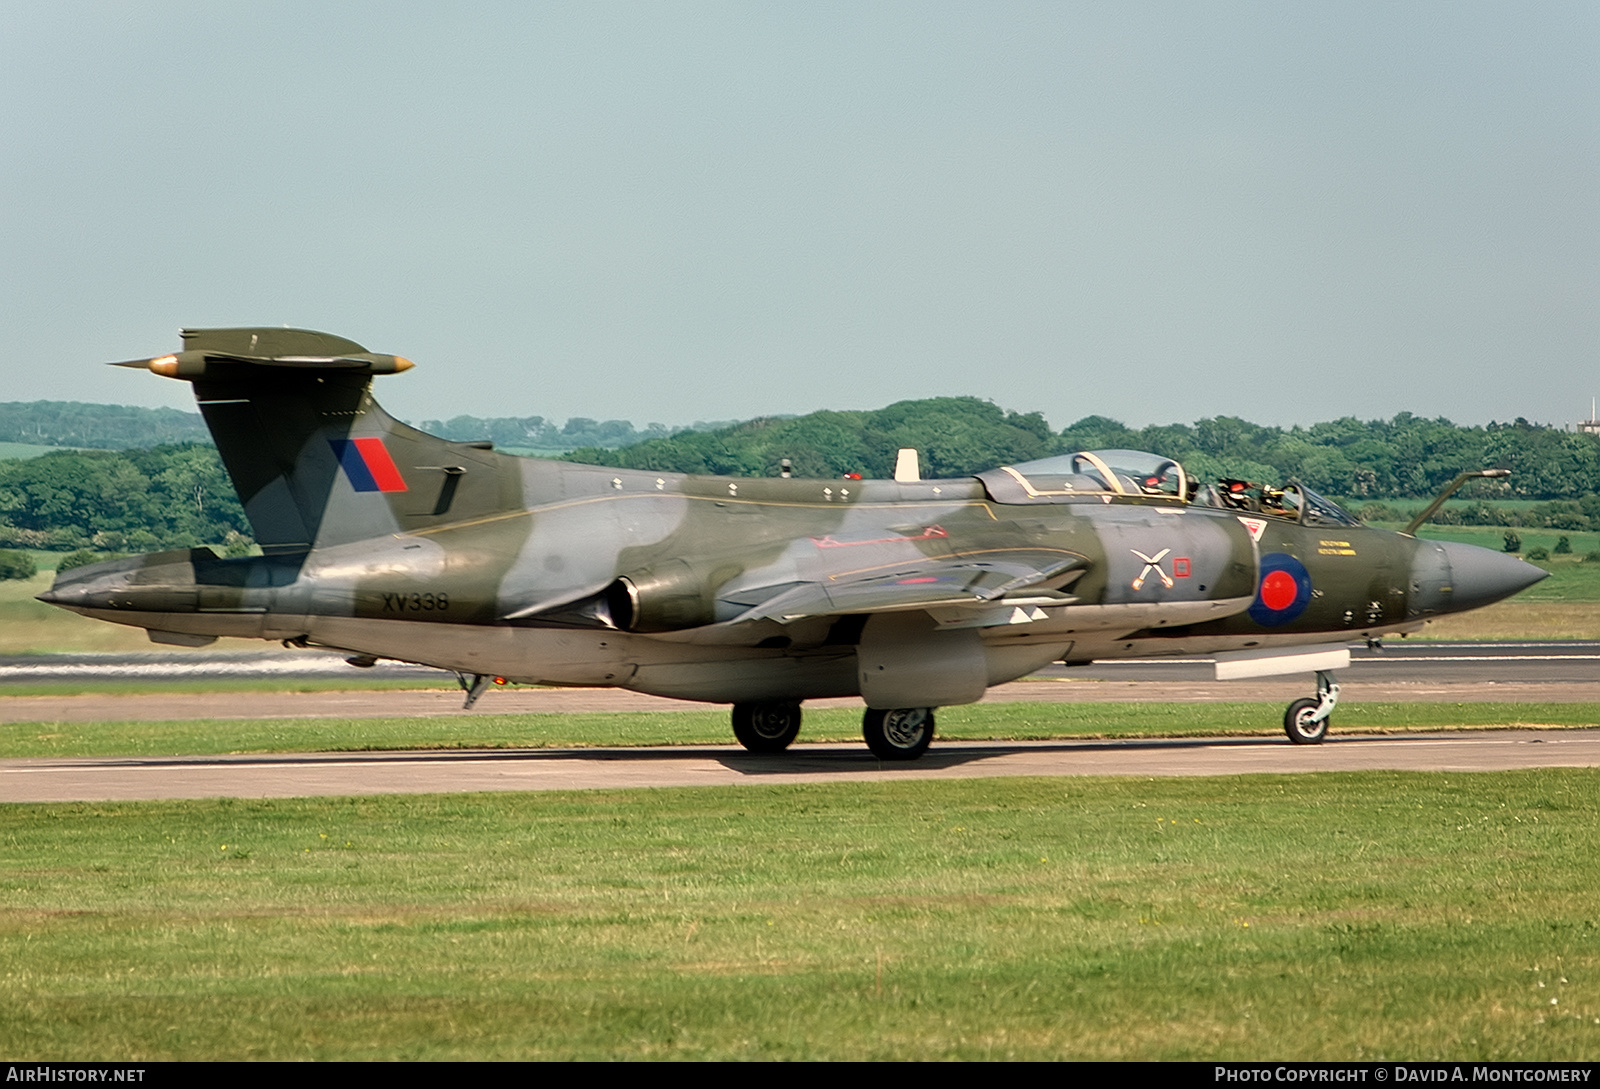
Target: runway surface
point(269, 776)
point(1435, 672)
point(1459, 672)
point(1399, 661)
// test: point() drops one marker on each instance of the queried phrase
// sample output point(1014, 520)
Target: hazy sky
point(678, 211)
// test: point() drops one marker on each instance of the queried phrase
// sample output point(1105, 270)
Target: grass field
point(1349, 916)
point(1493, 538)
point(1519, 619)
point(32, 627)
point(348, 680)
point(1352, 916)
point(974, 722)
point(22, 450)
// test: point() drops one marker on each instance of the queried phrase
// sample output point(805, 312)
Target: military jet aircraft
point(385, 542)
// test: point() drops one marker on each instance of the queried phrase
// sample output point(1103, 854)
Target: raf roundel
point(1285, 590)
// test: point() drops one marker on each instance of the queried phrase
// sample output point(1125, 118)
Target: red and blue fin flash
point(366, 462)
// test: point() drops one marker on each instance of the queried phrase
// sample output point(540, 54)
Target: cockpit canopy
point(1294, 501)
point(1089, 472)
point(1108, 473)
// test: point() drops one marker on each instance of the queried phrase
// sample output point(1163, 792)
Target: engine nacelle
point(668, 596)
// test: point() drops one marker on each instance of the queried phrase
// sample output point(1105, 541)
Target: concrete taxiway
point(1516, 672)
point(1397, 661)
point(273, 776)
point(1434, 672)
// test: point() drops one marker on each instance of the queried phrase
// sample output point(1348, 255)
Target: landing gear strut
point(902, 733)
point(766, 727)
point(1306, 721)
point(472, 688)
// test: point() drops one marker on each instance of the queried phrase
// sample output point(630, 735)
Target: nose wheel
point(901, 733)
point(1306, 721)
point(766, 727)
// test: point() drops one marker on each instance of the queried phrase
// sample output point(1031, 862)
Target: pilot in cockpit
point(1237, 494)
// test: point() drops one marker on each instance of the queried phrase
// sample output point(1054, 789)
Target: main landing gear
point(1306, 721)
point(766, 727)
point(901, 733)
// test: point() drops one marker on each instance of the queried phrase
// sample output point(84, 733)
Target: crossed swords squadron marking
point(1152, 563)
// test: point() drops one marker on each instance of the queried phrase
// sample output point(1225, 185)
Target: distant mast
point(1591, 426)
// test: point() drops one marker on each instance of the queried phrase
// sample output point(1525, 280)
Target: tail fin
point(315, 460)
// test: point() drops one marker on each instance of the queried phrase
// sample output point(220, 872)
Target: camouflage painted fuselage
point(383, 541)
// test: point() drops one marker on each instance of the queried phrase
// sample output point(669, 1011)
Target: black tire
point(766, 727)
point(902, 733)
point(1298, 725)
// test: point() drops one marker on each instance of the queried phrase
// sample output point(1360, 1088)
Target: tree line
point(539, 433)
point(120, 501)
point(97, 427)
point(1407, 457)
point(127, 427)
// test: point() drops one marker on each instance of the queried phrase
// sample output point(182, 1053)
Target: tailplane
point(315, 460)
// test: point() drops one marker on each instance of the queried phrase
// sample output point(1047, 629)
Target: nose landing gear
point(1306, 721)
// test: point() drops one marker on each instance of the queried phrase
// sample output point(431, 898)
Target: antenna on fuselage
point(907, 470)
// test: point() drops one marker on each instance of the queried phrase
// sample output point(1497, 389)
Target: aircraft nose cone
point(56, 595)
point(1480, 576)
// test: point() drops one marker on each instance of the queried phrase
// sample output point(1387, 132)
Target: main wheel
point(766, 727)
point(899, 734)
point(1299, 725)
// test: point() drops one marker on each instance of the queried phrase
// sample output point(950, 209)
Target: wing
point(962, 583)
point(960, 579)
